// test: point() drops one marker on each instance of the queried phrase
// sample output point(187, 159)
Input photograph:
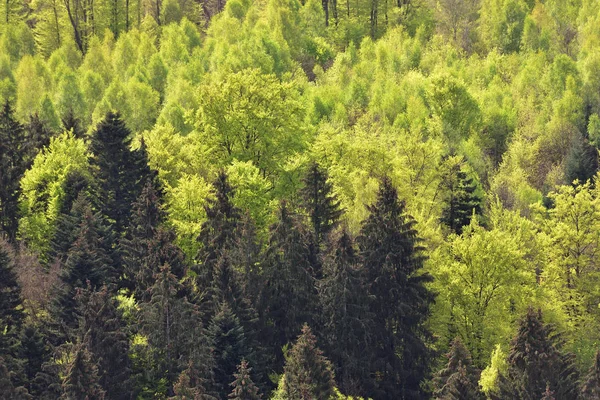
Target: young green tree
point(243, 386)
point(393, 260)
point(308, 373)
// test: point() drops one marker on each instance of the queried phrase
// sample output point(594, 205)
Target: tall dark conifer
point(119, 171)
point(535, 361)
point(391, 256)
point(243, 386)
point(70, 122)
point(81, 376)
point(308, 373)
point(461, 200)
point(459, 378)
point(289, 297)
point(345, 315)
point(591, 383)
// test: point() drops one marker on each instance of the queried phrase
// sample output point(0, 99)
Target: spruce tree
point(70, 122)
point(230, 346)
point(549, 394)
point(535, 361)
point(308, 374)
point(459, 377)
point(81, 377)
point(591, 384)
point(461, 200)
point(345, 315)
point(102, 329)
point(289, 298)
point(120, 172)
point(13, 150)
point(243, 386)
point(37, 136)
point(320, 203)
point(391, 256)
point(34, 351)
point(8, 391)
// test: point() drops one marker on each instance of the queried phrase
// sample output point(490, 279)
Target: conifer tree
point(34, 351)
point(8, 391)
point(345, 315)
point(243, 386)
point(81, 377)
point(37, 136)
point(461, 201)
point(102, 330)
point(391, 256)
point(70, 122)
point(230, 346)
point(120, 172)
point(591, 383)
point(245, 256)
point(460, 377)
point(320, 203)
point(13, 151)
point(308, 374)
point(548, 394)
point(289, 298)
point(191, 386)
point(535, 361)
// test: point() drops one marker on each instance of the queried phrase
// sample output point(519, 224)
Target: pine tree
point(230, 346)
point(346, 317)
point(289, 298)
point(37, 136)
point(7, 390)
point(12, 166)
point(548, 394)
point(461, 202)
point(591, 385)
point(34, 351)
point(81, 377)
point(308, 374)
point(119, 171)
point(191, 386)
point(391, 256)
point(70, 122)
point(243, 387)
point(102, 329)
point(460, 377)
point(535, 361)
point(581, 162)
point(320, 203)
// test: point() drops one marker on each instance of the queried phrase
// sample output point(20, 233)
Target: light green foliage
point(489, 376)
point(43, 190)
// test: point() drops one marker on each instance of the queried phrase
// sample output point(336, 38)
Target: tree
point(243, 387)
point(308, 373)
point(12, 167)
point(81, 377)
point(392, 259)
point(7, 390)
point(119, 171)
point(345, 315)
point(591, 384)
point(462, 201)
point(288, 298)
point(459, 379)
point(535, 362)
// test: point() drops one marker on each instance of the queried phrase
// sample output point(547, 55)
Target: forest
point(300, 199)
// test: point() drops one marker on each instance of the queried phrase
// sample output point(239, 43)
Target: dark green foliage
point(288, 299)
point(320, 203)
point(87, 263)
point(391, 255)
point(120, 172)
point(37, 137)
point(548, 394)
point(70, 122)
point(308, 373)
point(461, 202)
point(591, 383)
point(102, 330)
point(148, 245)
point(345, 315)
point(243, 387)
point(175, 332)
point(7, 390)
point(34, 351)
point(230, 346)
point(81, 376)
point(535, 361)
point(13, 163)
point(581, 162)
point(459, 379)
point(191, 386)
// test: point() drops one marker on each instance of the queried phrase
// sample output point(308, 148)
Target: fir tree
point(289, 297)
point(34, 351)
point(230, 346)
point(389, 248)
point(102, 330)
point(13, 149)
point(346, 317)
point(37, 136)
point(308, 374)
point(591, 384)
point(119, 171)
point(461, 201)
point(7, 390)
point(460, 377)
point(581, 162)
point(191, 386)
point(243, 387)
point(71, 123)
point(320, 203)
point(535, 362)
point(81, 377)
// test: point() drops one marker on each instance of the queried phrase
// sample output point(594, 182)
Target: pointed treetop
point(243, 386)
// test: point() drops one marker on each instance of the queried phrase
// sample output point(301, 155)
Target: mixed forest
point(285, 199)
